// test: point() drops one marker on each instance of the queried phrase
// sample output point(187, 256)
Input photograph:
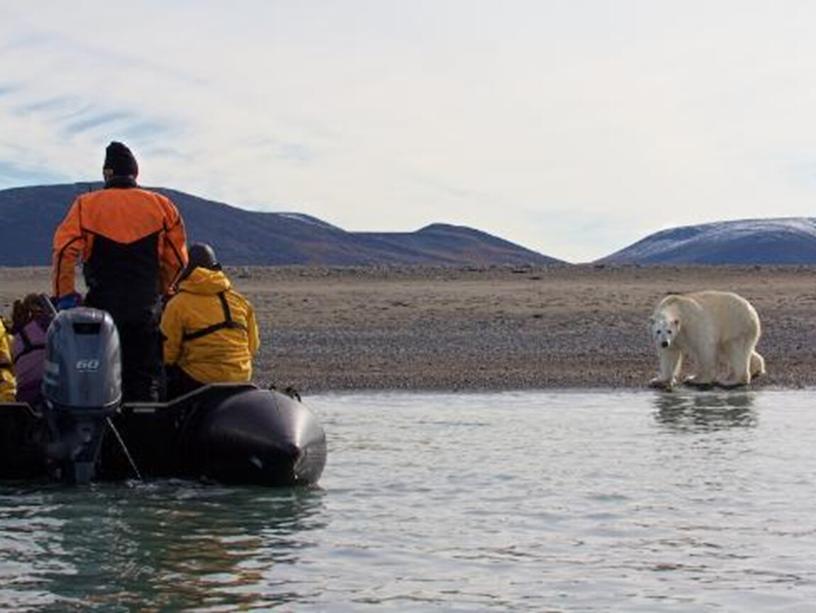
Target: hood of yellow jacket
point(205, 281)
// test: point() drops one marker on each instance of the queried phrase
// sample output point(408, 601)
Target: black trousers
point(179, 382)
point(136, 313)
point(141, 360)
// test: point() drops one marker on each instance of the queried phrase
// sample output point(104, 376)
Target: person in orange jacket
point(132, 244)
point(210, 332)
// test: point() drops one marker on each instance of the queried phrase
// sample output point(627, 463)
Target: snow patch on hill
point(745, 240)
point(309, 220)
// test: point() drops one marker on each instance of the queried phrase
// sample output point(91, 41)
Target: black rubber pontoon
point(231, 433)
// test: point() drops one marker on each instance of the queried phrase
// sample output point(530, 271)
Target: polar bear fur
point(717, 331)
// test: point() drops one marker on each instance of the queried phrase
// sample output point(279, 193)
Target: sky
point(573, 127)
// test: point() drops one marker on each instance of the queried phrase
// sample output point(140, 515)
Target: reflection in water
point(185, 545)
point(705, 411)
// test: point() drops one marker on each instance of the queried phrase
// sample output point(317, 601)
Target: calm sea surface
point(527, 501)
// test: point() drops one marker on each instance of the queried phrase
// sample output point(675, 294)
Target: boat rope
point(125, 449)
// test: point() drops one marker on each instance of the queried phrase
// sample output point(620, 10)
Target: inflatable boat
point(230, 433)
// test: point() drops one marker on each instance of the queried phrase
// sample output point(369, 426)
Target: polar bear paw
point(661, 384)
point(693, 381)
point(731, 385)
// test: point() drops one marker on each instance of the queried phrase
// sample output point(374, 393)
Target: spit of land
point(491, 328)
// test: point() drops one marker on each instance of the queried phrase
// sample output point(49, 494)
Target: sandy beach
point(494, 328)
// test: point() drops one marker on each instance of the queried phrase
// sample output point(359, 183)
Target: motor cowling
point(83, 363)
point(82, 388)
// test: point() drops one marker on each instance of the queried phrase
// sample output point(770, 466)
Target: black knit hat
point(120, 160)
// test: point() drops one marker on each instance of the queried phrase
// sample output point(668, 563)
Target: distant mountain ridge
point(242, 237)
point(786, 240)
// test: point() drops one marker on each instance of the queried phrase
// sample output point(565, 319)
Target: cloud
point(571, 128)
point(95, 120)
point(12, 174)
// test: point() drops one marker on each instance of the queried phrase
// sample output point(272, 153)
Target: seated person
point(30, 321)
point(210, 333)
point(8, 384)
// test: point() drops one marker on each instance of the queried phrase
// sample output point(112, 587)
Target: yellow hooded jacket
point(8, 384)
point(204, 300)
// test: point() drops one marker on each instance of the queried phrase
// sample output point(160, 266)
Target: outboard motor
point(82, 388)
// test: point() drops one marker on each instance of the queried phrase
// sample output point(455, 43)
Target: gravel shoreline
point(492, 328)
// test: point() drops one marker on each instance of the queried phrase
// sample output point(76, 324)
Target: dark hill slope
point(455, 244)
point(243, 237)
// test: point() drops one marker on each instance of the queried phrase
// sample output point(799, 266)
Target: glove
point(68, 301)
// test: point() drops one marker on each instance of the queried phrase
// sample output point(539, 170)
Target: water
point(518, 501)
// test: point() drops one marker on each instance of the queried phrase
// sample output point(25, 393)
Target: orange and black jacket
point(131, 242)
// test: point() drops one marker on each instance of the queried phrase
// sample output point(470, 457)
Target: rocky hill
point(789, 240)
point(241, 237)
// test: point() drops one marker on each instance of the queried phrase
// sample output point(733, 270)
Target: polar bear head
point(665, 329)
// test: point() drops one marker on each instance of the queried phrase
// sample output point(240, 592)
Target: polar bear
point(718, 331)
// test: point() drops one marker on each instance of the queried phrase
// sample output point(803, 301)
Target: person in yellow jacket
point(210, 332)
point(8, 384)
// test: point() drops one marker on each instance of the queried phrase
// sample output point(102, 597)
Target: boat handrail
point(152, 407)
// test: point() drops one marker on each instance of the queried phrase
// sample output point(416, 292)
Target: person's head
point(119, 162)
point(23, 311)
point(200, 255)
